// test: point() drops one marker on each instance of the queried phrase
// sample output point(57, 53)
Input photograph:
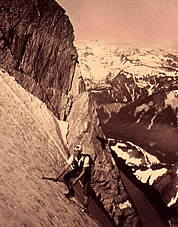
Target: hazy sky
point(144, 21)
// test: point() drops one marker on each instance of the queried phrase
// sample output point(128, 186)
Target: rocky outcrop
point(85, 129)
point(36, 46)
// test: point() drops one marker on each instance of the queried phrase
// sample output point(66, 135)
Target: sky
point(124, 21)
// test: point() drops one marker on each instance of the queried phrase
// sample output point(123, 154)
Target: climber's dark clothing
point(79, 165)
point(85, 179)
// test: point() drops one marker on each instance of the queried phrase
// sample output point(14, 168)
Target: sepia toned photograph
point(88, 113)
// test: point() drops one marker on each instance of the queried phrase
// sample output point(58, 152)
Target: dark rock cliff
point(36, 46)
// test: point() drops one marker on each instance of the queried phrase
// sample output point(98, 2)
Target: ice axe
point(55, 179)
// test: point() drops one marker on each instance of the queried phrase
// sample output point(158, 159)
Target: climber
point(81, 164)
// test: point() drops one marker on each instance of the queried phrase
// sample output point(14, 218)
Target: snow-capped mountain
point(98, 61)
point(105, 66)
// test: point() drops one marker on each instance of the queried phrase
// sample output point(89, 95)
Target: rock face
point(85, 129)
point(36, 46)
point(32, 142)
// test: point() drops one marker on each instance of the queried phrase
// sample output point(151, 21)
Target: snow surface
point(136, 156)
point(125, 205)
point(150, 159)
point(132, 159)
point(173, 200)
point(98, 60)
point(149, 175)
point(171, 100)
